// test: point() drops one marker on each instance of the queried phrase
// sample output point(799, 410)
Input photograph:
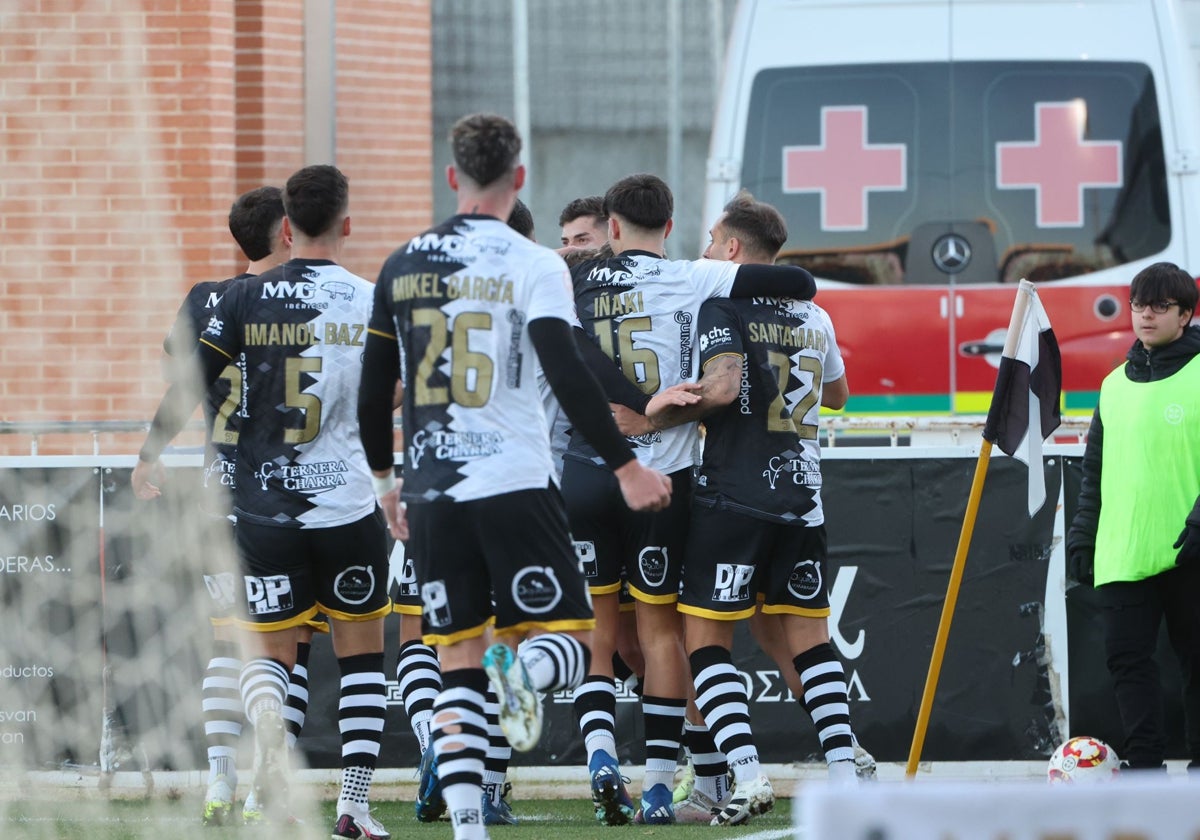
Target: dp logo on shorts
point(437, 603)
point(732, 582)
point(268, 594)
point(585, 553)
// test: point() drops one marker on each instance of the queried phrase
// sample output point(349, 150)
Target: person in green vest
point(1141, 486)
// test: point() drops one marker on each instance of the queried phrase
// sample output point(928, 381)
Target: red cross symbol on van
point(844, 168)
point(1059, 164)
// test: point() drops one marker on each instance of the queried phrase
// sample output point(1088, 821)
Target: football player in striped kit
point(256, 222)
point(310, 535)
point(641, 309)
point(462, 313)
point(757, 526)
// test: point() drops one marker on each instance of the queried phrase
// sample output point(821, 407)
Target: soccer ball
point(1083, 761)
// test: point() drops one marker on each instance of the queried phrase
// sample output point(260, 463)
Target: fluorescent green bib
point(1150, 477)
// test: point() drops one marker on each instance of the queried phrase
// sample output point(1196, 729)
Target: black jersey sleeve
point(720, 325)
point(179, 345)
point(616, 387)
point(181, 340)
point(790, 281)
point(181, 400)
point(381, 369)
point(577, 390)
point(1081, 534)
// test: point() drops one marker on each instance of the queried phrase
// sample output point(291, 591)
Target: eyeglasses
point(1159, 307)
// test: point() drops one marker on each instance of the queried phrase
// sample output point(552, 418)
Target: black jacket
point(1141, 365)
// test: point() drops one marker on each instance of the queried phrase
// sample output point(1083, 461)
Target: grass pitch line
point(773, 834)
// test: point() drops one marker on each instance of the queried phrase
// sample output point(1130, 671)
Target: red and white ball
point(1083, 760)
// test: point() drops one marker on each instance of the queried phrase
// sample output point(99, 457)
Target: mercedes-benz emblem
point(951, 253)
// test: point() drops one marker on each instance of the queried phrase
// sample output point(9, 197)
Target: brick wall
point(384, 125)
point(127, 127)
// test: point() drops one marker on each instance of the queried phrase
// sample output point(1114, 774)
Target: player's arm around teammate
point(469, 307)
point(754, 530)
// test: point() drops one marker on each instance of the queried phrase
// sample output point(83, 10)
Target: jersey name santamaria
point(762, 455)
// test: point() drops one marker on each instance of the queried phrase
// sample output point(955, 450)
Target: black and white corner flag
point(1025, 404)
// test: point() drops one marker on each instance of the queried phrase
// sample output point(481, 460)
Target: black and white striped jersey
point(641, 309)
point(458, 298)
point(222, 403)
point(301, 328)
point(762, 456)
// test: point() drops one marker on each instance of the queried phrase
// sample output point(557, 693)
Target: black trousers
point(1132, 614)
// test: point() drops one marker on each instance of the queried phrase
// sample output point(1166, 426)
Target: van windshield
point(963, 172)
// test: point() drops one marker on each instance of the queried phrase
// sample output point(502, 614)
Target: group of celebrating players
point(556, 505)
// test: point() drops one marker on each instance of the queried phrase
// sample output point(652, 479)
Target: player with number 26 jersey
point(459, 297)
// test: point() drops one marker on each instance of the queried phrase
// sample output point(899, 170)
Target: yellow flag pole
point(943, 631)
point(960, 555)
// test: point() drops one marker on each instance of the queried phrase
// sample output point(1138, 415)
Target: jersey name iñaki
point(301, 328)
point(641, 310)
point(458, 299)
point(761, 453)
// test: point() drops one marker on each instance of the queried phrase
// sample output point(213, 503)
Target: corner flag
point(1025, 404)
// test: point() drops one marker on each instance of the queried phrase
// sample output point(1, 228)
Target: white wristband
point(384, 485)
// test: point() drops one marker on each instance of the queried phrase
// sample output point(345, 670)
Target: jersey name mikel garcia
point(458, 299)
point(301, 328)
point(641, 309)
point(762, 456)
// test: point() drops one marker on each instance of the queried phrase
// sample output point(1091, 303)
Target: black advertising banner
point(893, 528)
point(1092, 700)
point(49, 587)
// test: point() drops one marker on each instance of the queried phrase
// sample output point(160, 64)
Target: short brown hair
point(254, 219)
point(591, 205)
point(315, 198)
point(758, 225)
point(645, 201)
point(486, 147)
point(520, 219)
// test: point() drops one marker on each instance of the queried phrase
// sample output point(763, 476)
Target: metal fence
point(835, 431)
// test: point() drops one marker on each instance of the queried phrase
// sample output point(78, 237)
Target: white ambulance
point(928, 155)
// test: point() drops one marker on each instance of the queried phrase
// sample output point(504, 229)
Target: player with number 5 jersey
point(298, 326)
point(310, 536)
